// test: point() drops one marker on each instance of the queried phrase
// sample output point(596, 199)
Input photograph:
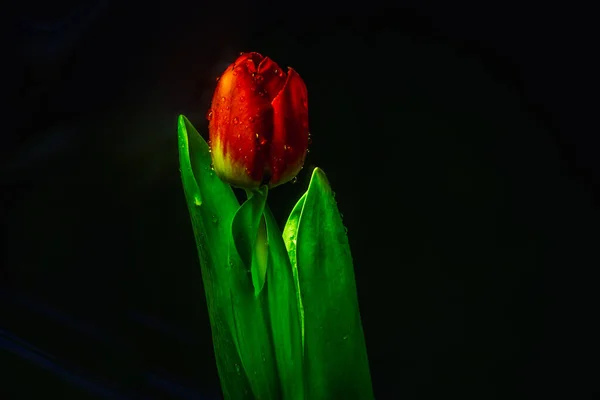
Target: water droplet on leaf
point(214, 219)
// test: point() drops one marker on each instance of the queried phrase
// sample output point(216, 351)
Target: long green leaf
point(249, 308)
point(284, 314)
point(212, 206)
point(336, 365)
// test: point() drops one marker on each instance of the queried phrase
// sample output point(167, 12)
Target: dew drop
point(263, 357)
point(240, 149)
point(256, 134)
point(218, 77)
point(242, 53)
point(308, 150)
point(251, 119)
point(242, 98)
point(209, 115)
point(262, 93)
point(214, 219)
point(304, 103)
point(309, 138)
point(239, 135)
point(223, 98)
point(253, 89)
point(237, 368)
point(260, 78)
point(263, 141)
point(294, 180)
point(345, 230)
point(236, 120)
point(197, 201)
point(227, 107)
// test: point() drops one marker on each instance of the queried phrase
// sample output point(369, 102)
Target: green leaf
point(284, 314)
point(250, 312)
point(240, 335)
point(212, 206)
point(336, 364)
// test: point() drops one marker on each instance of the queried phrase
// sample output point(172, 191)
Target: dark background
point(461, 140)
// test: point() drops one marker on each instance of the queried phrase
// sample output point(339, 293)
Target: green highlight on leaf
point(283, 307)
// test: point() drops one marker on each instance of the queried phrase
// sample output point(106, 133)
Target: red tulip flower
point(258, 123)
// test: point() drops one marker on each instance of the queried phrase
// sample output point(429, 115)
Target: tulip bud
point(258, 123)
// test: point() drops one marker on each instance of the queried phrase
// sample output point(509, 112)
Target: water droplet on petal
point(242, 98)
point(309, 138)
point(242, 53)
point(218, 77)
point(236, 120)
point(260, 78)
point(263, 141)
point(251, 119)
point(256, 137)
point(223, 98)
point(209, 115)
point(304, 103)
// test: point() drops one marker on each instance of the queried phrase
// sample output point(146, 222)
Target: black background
point(460, 139)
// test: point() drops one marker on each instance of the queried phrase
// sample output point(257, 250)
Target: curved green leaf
point(284, 314)
point(249, 308)
point(336, 365)
point(212, 206)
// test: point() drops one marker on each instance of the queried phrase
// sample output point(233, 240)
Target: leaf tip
point(319, 179)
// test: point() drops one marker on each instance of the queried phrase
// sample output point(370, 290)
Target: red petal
point(271, 76)
point(241, 120)
point(290, 130)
